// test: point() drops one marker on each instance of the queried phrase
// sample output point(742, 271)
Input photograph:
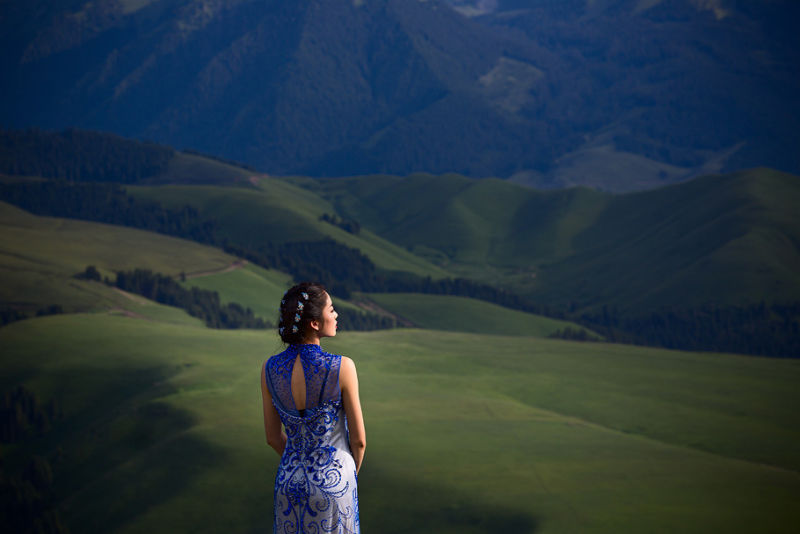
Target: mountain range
point(618, 95)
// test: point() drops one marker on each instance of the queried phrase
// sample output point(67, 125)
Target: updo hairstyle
point(300, 305)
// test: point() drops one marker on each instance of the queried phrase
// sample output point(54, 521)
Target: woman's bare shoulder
point(347, 373)
point(347, 365)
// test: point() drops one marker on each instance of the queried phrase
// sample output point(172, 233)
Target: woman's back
point(303, 377)
point(315, 488)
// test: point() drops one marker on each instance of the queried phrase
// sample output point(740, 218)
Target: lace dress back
point(316, 484)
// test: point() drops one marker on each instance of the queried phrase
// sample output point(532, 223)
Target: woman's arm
point(276, 437)
point(348, 383)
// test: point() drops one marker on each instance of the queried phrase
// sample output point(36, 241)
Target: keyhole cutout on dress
point(298, 385)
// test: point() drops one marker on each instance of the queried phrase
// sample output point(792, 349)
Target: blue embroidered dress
point(316, 485)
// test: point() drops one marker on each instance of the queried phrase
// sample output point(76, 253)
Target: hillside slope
point(92, 156)
point(730, 239)
point(162, 431)
point(723, 239)
point(276, 212)
point(39, 257)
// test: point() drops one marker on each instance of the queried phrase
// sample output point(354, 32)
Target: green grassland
point(196, 169)
point(468, 432)
point(462, 314)
point(725, 239)
point(278, 212)
point(255, 287)
point(162, 431)
point(251, 286)
point(469, 221)
point(39, 256)
point(260, 289)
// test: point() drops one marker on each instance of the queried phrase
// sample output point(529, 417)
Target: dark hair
point(302, 304)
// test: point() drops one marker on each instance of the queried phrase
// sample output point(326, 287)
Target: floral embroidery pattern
point(315, 487)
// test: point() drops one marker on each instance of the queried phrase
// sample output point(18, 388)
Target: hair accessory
point(297, 317)
point(283, 301)
point(294, 329)
point(304, 295)
point(280, 330)
point(299, 306)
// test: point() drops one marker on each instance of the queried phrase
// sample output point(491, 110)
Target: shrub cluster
point(27, 498)
point(573, 334)
point(353, 320)
point(22, 415)
point(11, 314)
point(348, 225)
point(197, 302)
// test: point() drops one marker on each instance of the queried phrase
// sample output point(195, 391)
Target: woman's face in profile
point(328, 324)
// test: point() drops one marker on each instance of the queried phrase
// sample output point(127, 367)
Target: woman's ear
point(314, 324)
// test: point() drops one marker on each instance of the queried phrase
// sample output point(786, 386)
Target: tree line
point(10, 315)
point(107, 203)
point(759, 329)
point(344, 270)
point(348, 225)
point(197, 302)
point(27, 497)
point(206, 305)
point(80, 155)
point(23, 416)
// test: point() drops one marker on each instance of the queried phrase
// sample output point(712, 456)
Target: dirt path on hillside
point(116, 310)
point(238, 264)
point(373, 307)
point(135, 298)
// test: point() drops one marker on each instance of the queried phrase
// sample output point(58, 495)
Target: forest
point(80, 155)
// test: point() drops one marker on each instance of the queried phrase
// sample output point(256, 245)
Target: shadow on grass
point(124, 451)
point(391, 504)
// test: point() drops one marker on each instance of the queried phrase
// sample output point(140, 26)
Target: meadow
point(718, 238)
point(462, 314)
point(466, 433)
point(469, 429)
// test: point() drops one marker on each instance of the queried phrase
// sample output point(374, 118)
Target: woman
point(315, 395)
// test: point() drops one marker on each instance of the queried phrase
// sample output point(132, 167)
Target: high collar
point(305, 348)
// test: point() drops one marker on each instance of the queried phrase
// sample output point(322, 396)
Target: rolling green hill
point(474, 433)
point(729, 239)
point(161, 426)
point(187, 167)
point(722, 239)
point(251, 286)
point(40, 255)
point(462, 314)
point(466, 221)
point(280, 212)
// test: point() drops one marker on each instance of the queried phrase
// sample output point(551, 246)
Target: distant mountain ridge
point(616, 94)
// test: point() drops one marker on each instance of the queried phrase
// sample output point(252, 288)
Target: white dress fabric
point(316, 485)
